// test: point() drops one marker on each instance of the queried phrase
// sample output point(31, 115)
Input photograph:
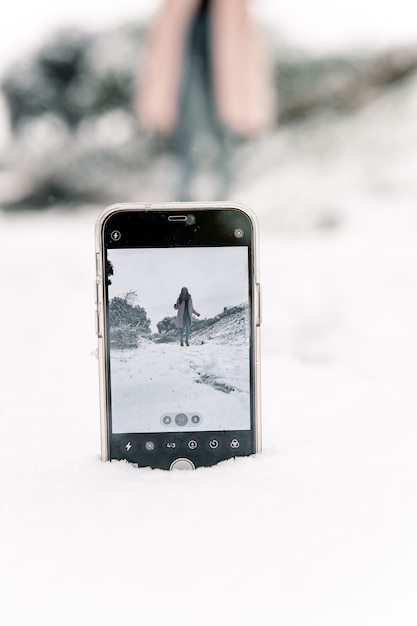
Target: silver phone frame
point(101, 312)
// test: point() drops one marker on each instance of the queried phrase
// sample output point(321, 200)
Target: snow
point(318, 529)
point(155, 380)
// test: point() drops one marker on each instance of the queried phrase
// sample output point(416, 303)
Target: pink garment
point(242, 78)
point(180, 307)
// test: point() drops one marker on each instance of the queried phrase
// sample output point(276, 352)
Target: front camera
point(238, 233)
point(190, 221)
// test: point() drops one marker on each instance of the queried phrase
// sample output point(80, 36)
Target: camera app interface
point(179, 334)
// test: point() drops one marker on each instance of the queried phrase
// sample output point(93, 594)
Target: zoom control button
point(181, 419)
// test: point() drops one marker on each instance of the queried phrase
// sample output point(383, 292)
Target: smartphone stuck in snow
point(178, 320)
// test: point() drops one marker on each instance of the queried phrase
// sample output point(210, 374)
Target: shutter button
point(182, 464)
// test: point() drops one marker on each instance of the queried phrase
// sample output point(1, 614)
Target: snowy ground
point(155, 380)
point(318, 529)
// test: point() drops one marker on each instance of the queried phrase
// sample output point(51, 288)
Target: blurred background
point(87, 115)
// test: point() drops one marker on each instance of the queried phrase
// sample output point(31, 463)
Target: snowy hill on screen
point(230, 326)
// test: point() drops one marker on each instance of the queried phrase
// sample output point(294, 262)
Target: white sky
point(215, 277)
point(318, 25)
point(321, 25)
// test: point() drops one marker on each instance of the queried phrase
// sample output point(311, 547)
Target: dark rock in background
point(75, 76)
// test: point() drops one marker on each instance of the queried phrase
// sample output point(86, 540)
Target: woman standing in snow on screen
point(184, 306)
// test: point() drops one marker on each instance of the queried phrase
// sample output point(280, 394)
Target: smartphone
point(178, 326)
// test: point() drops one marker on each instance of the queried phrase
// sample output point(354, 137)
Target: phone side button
point(259, 305)
point(98, 327)
point(182, 464)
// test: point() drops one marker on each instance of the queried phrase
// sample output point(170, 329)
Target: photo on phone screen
point(179, 339)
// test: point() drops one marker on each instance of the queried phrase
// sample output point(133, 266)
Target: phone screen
point(171, 369)
point(179, 336)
